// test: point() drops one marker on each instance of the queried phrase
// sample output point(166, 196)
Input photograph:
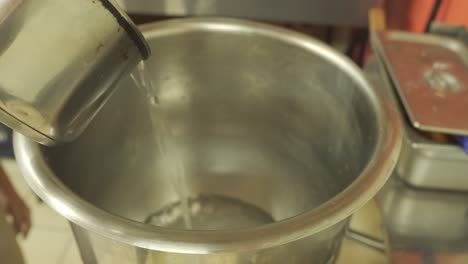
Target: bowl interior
point(249, 126)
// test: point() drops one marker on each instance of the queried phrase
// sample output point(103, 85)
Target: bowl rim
point(47, 185)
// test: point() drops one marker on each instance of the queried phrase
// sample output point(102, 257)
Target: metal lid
point(430, 74)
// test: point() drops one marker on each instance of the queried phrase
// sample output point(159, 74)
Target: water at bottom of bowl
point(210, 212)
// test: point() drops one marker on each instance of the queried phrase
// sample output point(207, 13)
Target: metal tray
point(423, 218)
point(424, 226)
point(430, 74)
point(423, 163)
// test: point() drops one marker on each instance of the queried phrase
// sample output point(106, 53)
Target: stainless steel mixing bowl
point(261, 115)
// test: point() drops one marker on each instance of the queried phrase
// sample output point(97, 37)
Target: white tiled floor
point(50, 239)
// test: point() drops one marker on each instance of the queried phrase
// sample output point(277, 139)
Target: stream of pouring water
point(171, 156)
point(203, 212)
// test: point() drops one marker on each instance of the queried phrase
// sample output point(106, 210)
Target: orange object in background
point(407, 258)
point(451, 258)
point(412, 15)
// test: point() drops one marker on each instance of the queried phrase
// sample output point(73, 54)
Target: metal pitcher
point(59, 63)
